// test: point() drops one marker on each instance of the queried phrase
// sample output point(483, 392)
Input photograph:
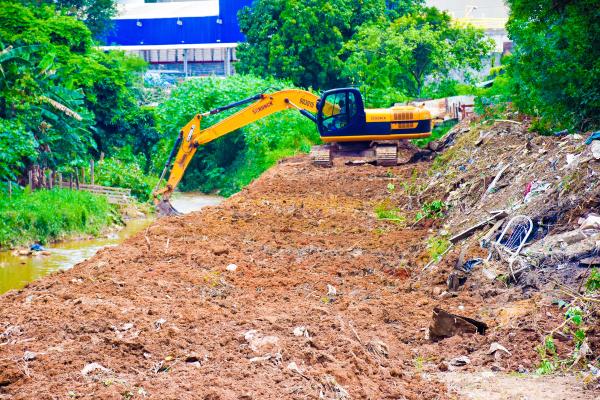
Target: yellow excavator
point(345, 127)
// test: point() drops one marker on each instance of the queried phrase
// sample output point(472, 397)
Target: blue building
point(193, 37)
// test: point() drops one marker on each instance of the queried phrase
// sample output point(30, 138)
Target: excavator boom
point(191, 135)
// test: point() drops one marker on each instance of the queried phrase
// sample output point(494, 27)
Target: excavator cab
point(341, 112)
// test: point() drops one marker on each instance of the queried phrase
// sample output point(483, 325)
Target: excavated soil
point(324, 300)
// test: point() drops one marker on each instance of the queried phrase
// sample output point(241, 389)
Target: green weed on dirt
point(48, 215)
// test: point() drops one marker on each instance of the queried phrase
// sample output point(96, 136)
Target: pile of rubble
point(492, 174)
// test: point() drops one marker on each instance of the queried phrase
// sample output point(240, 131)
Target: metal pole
point(185, 62)
point(91, 171)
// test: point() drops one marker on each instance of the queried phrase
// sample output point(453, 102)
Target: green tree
point(58, 93)
point(96, 14)
point(400, 56)
point(555, 67)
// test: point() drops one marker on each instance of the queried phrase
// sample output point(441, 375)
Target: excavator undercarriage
point(382, 153)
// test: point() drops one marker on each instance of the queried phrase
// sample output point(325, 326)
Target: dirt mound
point(293, 288)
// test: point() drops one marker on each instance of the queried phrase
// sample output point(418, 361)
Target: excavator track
point(386, 155)
point(321, 156)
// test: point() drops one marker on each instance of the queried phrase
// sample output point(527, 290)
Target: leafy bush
point(232, 161)
point(126, 172)
point(48, 215)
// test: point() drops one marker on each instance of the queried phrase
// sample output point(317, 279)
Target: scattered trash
point(93, 367)
point(512, 239)
point(460, 361)
point(331, 290)
point(37, 247)
point(592, 137)
point(231, 267)
point(497, 349)
point(571, 158)
point(535, 189)
point(470, 264)
point(595, 147)
point(29, 356)
point(564, 132)
point(471, 230)
point(446, 325)
point(159, 323)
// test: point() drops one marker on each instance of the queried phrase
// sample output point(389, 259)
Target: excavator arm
point(191, 136)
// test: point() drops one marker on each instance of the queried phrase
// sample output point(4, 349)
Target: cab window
point(339, 110)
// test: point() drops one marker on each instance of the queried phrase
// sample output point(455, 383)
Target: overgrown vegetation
point(62, 101)
point(49, 215)
point(555, 66)
point(388, 48)
point(232, 161)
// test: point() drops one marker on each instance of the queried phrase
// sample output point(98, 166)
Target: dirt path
point(321, 302)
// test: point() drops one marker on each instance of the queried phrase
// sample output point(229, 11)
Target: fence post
point(51, 180)
point(76, 179)
point(82, 176)
point(92, 171)
point(60, 185)
point(71, 181)
point(9, 189)
point(30, 177)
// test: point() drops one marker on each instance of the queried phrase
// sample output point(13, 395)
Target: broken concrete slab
point(445, 325)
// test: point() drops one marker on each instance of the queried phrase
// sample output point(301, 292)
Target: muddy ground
point(323, 300)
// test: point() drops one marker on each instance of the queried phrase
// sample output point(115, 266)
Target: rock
point(443, 367)
point(29, 356)
point(93, 367)
point(231, 267)
point(301, 331)
point(294, 368)
point(460, 361)
point(378, 347)
point(219, 250)
point(262, 344)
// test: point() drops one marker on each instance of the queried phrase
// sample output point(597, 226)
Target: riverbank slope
point(293, 288)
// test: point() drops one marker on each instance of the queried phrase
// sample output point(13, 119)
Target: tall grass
point(49, 215)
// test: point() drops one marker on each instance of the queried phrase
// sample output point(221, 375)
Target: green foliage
point(60, 99)
point(300, 40)
point(433, 210)
point(573, 325)
point(233, 160)
point(593, 282)
point(96, 14)
point(48, 215)
point(125, 170)
point(437, 246)
point(555, 67)
point(403, 54)
point(387, 212)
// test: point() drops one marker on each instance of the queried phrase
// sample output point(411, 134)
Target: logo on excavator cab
point(261, 108)
point(307, 103)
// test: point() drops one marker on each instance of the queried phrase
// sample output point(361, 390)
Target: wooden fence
point(44, 178)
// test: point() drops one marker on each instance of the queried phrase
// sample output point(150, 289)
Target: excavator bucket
point(164, 208)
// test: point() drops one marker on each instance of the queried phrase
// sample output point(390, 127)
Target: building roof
point(181, 9)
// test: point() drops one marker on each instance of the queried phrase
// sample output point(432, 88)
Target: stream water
point(17, 271)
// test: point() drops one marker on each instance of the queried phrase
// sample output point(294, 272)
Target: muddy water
point(17, 271)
